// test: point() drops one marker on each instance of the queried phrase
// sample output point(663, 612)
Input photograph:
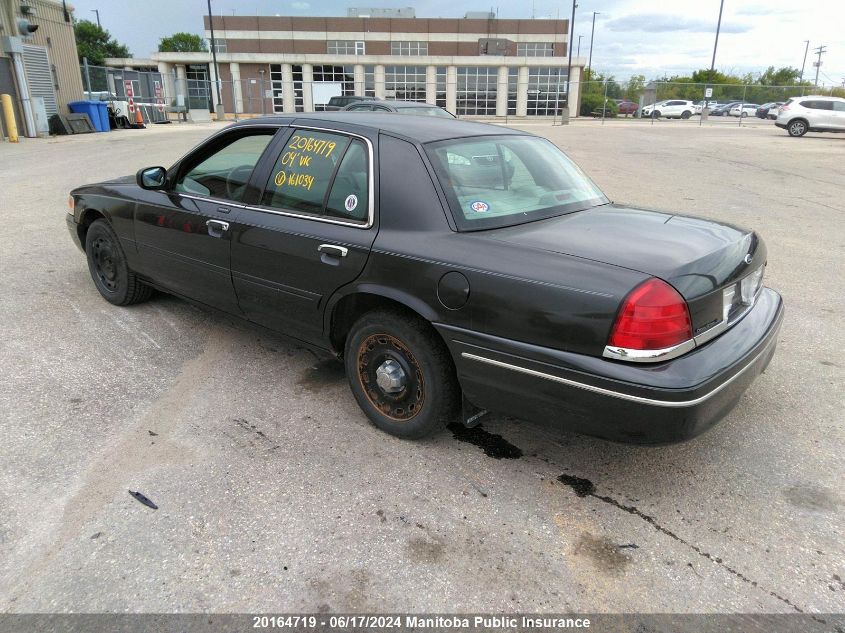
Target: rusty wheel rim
point(403, 398)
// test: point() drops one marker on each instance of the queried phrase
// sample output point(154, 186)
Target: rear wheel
point(401, 374)
point(742, 115)
point(797, 127)
point(107, 263)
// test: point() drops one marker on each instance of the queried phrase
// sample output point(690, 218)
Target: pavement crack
point(585, 488)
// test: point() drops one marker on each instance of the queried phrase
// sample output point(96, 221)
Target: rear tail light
point(654, 316)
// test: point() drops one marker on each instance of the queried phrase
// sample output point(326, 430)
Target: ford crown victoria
point(455, 267)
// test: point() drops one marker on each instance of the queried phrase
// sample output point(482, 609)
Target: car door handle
point(333, 250)
point(216, 228)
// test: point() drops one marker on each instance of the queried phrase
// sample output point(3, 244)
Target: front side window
point(505, 180)
point(839, 106)
point(226, 172)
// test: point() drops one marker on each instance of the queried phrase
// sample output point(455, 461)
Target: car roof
point(422, 129)
point(822, 97)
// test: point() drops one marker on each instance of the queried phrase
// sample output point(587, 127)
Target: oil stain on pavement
point(493, 444)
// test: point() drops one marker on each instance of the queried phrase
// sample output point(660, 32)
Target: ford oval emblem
point(748, 258)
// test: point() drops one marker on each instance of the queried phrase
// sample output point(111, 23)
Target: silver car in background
point(812, 113)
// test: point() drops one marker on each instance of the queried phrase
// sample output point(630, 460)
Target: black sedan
point(456, 268)
point(400, 107)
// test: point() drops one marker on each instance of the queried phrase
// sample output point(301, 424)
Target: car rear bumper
point(637, 403)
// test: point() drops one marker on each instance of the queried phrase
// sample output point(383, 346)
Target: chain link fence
point(190, 93)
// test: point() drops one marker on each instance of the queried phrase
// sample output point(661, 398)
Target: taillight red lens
point(653, 316)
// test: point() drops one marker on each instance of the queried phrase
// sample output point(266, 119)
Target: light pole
point(804, 63)
point(219, 106)
point(716, 43)
point(97, 11)
point(578, 54)
point(569, 50)
point(592, 35)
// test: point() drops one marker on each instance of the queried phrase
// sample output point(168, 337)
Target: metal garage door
point(39, 76)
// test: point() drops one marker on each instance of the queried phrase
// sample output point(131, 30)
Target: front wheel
point(656, 114)
point(797, 128)
point(401, 374)
point(107, 263)
point(686, 114)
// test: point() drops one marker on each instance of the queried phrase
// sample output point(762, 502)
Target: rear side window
point(304, 170)
point(839, 106)
point(349, 195)
point(322, 173)
point(818, 105)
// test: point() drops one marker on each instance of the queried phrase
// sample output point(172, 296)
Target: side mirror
point(151, 177)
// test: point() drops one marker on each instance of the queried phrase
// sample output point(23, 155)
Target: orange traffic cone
point(139, 118)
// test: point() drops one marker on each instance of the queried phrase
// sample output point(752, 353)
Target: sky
point(631, 37)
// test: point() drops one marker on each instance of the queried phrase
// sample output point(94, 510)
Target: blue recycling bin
point(94, 112)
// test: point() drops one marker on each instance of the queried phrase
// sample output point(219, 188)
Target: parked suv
point(671, 109)
point(744, 109)
point(800, 115)
point(338, 103)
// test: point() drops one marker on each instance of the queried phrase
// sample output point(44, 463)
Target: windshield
point(495, 181)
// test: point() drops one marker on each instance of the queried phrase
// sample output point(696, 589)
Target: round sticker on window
point(351, 202)
point(479, 206)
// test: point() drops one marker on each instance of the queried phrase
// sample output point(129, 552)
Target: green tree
point(786, 76)
point(182, 43)
point(636, 85)
point(96, 43)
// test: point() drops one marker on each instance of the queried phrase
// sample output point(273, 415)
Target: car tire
point(686, 114)
point(797, 127)
point(656, 114)
point(742, 115)
point(428, 394)
point(112, 276)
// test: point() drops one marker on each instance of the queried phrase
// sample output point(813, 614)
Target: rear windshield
point(495, 181)
point(424, 111)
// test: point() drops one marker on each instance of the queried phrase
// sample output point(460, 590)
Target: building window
point(513, 84)
point(477, 90)
point(345, 47)
point(218, 45)
point(405, 83)
point(409, 48)
point(441, 87)
point(535, 49)
point(546, 90)
point(369, 81)
point(277, 86)
point(342, 76)
point(199, 87)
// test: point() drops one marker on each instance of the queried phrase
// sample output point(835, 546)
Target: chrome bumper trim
point(618, 394)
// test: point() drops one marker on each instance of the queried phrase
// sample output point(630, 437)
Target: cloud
point(659, 23)
point(300, 6)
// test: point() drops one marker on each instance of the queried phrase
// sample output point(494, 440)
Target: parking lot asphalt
point(275, 494)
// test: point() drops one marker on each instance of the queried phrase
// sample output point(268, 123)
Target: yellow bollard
point(9, 116)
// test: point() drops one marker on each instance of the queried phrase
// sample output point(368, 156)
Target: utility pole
point(819, 51)
point(219, 108)
point(804, 63)
point(97, 11)
point(578, 54)
point(592, 35)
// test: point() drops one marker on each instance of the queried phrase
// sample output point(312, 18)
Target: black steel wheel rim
point(105, 263)
point(373, 352)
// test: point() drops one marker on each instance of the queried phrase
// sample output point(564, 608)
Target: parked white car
point(800, 115)
point(744, 109)
point(671, 109)
point(698, 107)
